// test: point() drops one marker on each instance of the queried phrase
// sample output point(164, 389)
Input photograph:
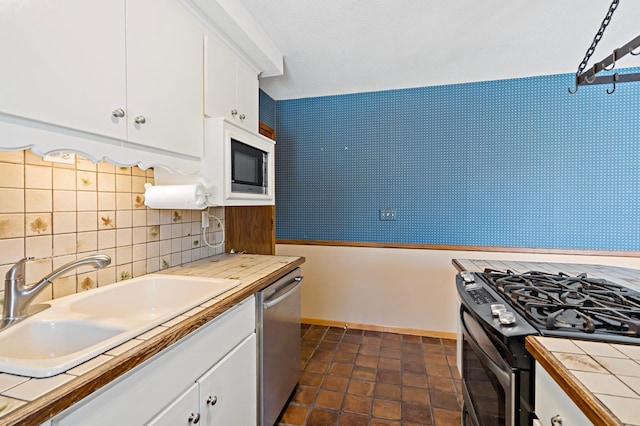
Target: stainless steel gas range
point(498, 309)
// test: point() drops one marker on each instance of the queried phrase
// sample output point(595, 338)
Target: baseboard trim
point(387, 329)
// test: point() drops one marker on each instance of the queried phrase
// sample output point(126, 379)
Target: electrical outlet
point(205, 220)
point(388, 214)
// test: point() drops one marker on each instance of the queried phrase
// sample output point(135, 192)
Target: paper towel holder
point(183, 197)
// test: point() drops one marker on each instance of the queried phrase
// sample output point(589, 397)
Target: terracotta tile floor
point(356, 377)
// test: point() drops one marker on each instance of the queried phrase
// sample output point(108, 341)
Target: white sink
point(155, 296)
point(79, 327)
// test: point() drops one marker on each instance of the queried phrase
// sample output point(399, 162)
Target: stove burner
point(563, 302)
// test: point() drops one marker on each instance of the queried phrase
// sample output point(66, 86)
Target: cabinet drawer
point(136, 397)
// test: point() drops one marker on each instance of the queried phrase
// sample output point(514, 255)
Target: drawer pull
point(212, 400)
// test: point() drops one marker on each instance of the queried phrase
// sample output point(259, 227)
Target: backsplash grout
point(57, 212)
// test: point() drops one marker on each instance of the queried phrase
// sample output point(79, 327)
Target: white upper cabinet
point(164, 77)
point(115, 79)
point(62, 67)
point(230, 85)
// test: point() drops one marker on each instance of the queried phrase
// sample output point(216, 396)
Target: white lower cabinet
point(222, 396)
point(226, 389)
point(172, 388)
point(553, 406)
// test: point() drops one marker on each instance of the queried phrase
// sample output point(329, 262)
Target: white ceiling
point(350, 46)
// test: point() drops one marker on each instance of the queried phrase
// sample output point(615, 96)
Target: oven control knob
point(467, 277)
point(497, 309)
point(507, 318)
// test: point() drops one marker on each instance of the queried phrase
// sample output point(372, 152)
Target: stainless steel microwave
point(249, 168)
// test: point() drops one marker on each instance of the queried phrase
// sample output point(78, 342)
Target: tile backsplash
point(57, 212)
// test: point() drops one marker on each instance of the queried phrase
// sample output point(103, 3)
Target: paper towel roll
point(187, 197)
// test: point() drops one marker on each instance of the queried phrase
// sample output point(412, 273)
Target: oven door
point(489, 382)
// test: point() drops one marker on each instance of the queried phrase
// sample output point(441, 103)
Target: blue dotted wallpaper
point(508, 163)
point(267, 108)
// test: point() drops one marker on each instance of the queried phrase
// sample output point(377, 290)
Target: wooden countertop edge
point(457, 265)
point(595, 411)
point(54, 402)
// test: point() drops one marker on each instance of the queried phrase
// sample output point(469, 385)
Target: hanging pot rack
point(609, 63)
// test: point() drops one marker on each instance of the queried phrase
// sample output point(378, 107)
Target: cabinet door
point(63, 63)
point(247, 96)
point(164, 77)
point(220, 79)
point(231, 86)
point(228, 391)
point(183, 411)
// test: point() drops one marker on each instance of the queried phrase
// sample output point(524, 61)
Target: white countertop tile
point(627, 367)
point(560, 345)
point(89, 365)
point(151, 333)
point(626, 409)
point(175, 321)
point(604, 383)
point(632, 351)
point(580, 362)
point(633, 383)
point(119, 350)
point(35, 388)
point(9, 404)
point(599, 349)
point(8, 381)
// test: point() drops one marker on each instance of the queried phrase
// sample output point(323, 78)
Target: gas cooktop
point(575, 306)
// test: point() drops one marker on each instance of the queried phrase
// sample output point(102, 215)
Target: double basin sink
point(79, 327)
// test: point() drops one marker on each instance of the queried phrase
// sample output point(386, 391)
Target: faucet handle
point(17, 271)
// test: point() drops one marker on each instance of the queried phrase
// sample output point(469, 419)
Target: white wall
point(399, 288)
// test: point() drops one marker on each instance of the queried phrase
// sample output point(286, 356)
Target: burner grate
point(575, 303)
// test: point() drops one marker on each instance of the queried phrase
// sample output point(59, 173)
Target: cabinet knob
point(118, 113)
point(194, 418)
point(212, 400)
point(556, 420)
point(242, 117)
point(234, 112)
point(140, 119)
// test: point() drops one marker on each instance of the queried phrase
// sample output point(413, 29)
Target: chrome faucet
point(18, 296)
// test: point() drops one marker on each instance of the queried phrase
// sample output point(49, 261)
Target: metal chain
point(598, 36)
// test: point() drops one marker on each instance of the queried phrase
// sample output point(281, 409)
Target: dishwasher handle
point(280, 296)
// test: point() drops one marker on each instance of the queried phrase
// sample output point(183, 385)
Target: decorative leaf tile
point(107, 222)
point(87, 284)
point(138, 202)
point(39, 226)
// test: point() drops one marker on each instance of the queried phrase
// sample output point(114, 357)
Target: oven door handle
point(503, 376)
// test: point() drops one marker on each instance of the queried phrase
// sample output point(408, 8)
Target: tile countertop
point(603, 379)
point(30, 401)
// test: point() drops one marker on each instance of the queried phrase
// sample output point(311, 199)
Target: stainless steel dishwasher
point(278, 330)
